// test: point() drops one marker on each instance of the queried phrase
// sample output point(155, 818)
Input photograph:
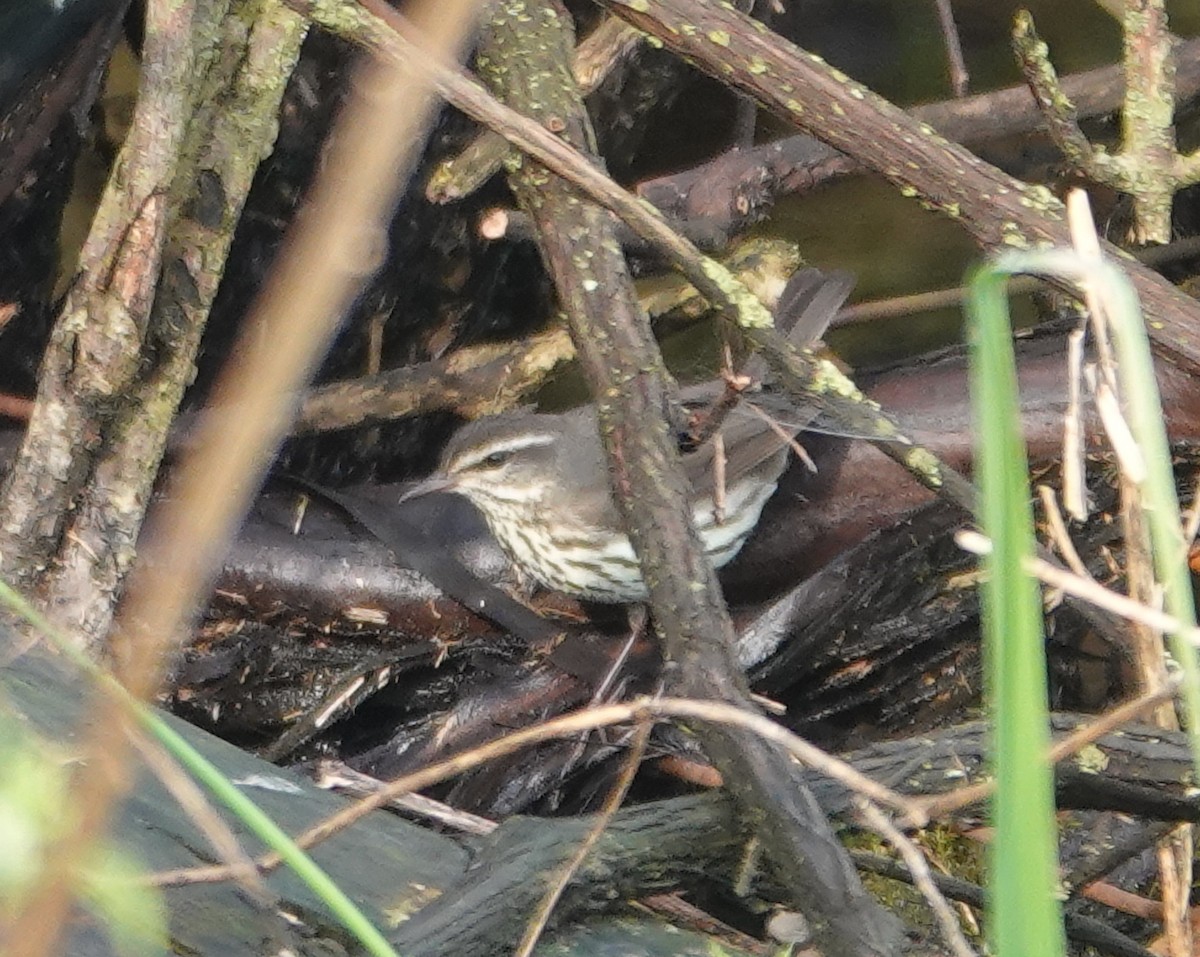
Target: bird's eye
point(495, 459)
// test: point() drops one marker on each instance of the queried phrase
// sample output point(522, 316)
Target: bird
point(541, 480)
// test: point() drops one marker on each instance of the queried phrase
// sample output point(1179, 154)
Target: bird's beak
point(435, 483)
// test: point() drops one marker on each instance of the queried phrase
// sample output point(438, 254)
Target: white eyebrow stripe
point(516, 443)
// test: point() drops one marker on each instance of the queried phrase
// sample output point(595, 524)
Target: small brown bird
point(541, 480)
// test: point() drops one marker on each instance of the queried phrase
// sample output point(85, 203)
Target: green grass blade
point(1025, 914)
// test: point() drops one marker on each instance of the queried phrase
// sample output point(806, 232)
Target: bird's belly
point(593, 565)
point(742, 507)
point(603, 567)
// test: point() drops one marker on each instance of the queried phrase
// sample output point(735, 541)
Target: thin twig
point(1059, 534)
point(1074, 480)
point(337, 776)
point(589, 719)
point(612, 804)
point(196, 805)
point(922, 879)
point(943, 804)
point(959, 78)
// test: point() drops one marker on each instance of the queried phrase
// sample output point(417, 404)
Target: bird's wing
point(750, 444)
